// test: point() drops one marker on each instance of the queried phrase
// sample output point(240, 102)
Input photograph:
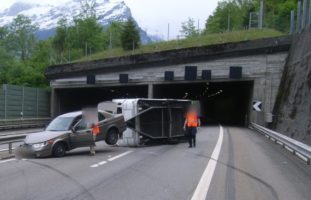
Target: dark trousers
point(191, 134)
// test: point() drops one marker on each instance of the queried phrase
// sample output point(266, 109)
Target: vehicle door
point(81, 135)
point(102, 122)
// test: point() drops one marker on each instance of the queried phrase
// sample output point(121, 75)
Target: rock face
point(293, 104)
point(46, 16)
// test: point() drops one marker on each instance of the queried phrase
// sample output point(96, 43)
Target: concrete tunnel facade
point(225, 78)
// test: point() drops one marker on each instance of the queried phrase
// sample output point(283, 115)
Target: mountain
point(46, 16)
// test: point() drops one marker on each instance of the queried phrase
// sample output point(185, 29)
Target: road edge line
point(202, 188)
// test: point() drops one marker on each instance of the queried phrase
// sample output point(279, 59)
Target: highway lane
point(249, 167)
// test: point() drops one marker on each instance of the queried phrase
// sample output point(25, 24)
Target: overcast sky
point(155, 15)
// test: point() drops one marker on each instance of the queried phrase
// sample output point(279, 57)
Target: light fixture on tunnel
point(169, 75)
point(206, 74)
point(215, 94)
point(235, 72)
point(124, 78)
point(190, 73)
point(186, 95)
point(90, 79)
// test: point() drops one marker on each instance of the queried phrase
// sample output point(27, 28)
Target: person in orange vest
point(191, 124)
point(95, 132)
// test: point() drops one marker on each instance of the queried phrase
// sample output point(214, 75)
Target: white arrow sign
point(257, 106)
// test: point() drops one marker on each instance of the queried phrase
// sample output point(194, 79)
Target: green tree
point(61, 37)
point(276, 16)
point(112, 35)
point(22, 37)
point(87, 34)
point(130, 38)
point(188, 28)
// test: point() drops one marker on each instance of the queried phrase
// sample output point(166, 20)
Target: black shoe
point(190, 147)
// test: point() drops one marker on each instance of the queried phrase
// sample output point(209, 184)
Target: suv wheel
point(112, 137)
point(59, 150)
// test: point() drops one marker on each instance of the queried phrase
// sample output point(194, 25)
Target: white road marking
point(110, 159)
point(202, 188)
point(102, 163)
point(95, 165)
point(119, 156)
point(9, 160)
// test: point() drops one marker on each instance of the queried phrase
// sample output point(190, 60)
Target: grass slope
point(203, 40)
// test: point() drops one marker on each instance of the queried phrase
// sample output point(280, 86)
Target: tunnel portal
point(225, 103)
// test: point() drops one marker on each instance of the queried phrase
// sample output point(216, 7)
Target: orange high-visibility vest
point(95, 129)
point(192, 119)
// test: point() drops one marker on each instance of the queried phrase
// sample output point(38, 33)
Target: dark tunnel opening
point(226, 103)
point(74, 99)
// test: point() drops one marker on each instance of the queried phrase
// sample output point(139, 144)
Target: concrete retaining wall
point(293, 105)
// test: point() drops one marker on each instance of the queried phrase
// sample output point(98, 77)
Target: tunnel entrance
point(226, 103)
point(73, 99)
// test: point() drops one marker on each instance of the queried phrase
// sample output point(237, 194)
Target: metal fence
point(18, 102)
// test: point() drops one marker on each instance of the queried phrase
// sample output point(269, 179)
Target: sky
point(155, 15)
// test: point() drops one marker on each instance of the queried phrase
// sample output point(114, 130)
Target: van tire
point(112, 136)
point(59, 150)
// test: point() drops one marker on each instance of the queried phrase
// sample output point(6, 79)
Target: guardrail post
point(308, 162)
point(10, 148)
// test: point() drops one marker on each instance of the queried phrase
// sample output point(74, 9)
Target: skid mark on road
point(249, 175)
point(84, 190)
point(230, 176)
point(111, 159)
point(202, 188)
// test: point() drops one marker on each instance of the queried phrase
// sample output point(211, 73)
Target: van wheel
point(59, 150)
point(112, 137)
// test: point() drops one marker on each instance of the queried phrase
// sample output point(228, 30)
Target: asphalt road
point(232, 163)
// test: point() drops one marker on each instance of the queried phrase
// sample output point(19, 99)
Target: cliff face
point(293, 104)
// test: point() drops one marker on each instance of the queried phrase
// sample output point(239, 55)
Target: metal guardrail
point(9, 140)
point(23, 123)
point(299, 149)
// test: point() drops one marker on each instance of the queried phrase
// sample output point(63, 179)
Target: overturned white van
point(151, 119)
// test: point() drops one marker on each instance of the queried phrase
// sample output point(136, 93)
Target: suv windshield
point(60, 124)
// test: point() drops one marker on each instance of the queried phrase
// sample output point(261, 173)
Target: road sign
point(257, 106)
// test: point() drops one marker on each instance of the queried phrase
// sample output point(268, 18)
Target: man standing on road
point(90, 116)
point(191, 124)
point(95, 132)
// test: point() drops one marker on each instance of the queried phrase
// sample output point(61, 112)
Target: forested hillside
point(237, 12)
point(23, 57)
